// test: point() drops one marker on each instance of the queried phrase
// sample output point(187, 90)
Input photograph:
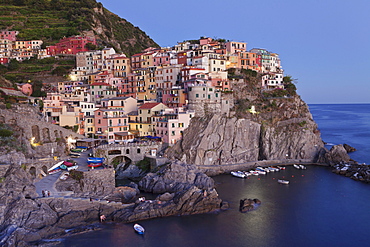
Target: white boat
point(281, 181)
point(238, 174)
point(263, 169)
point(296, 166)
point(255, 173)
point(55, 166)
point(72, 168)
point(270, 169)
point(302, 167)
point(139, 229)
point(281, 167)
point(261, 172)
point(64, 176)
point(247, 173)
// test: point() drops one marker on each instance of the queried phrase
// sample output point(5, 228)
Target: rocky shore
point(25, 218)
point(359, 172)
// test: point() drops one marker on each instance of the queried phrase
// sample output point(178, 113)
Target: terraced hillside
point(51, 20)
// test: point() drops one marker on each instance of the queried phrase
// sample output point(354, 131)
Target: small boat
point(281, 181)
point(64, 176)
point(247, 173)
point(276, 168)
point(255, 173)
point(139, 229)
point(56, 166)
point(94, 164)
point(296, 166)
point(77, 150)
point(69, 164)
point(56, 170)
point(238, 174)
point(74, 155)
point(263, 169)
point(270, 169)
point(95, 160)
point(261, 172)
point(72, 168)
point(302, 167)
point(281, 167)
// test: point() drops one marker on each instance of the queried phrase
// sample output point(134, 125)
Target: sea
point(317, 208)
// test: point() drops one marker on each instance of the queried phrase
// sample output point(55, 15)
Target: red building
point(71, 45)
point(4, 60)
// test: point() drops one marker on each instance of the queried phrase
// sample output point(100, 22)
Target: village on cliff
point(155, 93)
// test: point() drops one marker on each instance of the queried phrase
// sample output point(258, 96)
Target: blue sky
point(324, 44)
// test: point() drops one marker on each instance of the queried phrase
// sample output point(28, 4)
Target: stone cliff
point(280, 128)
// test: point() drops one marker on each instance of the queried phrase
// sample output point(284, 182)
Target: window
point(173, 133)
point(173, 125)
point(197, 96)
point(138, 150)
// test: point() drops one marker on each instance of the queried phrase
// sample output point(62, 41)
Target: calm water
point(317, 208)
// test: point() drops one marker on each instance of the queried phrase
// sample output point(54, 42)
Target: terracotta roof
point(149, 105)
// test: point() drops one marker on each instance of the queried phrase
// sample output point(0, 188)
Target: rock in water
point(336, 155)
point(348, 148)
point(248, 204)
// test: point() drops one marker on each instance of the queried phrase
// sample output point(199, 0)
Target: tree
point(13, 64)
point(90, 46)
point(289, 84)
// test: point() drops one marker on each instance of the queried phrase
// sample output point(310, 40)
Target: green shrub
point(5, 133)
point(8, 106)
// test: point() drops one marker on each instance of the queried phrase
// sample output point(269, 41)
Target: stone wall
point(26, 121)
point(133, 151)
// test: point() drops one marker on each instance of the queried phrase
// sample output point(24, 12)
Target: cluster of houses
point(11, 48)
point(154, 93)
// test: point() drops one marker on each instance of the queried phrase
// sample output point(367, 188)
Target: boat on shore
point(64, 176)
point(282, 181)
point(55, 168)
point(72, 168)
point(139, 229)
point(94, 165)
point(95, 160)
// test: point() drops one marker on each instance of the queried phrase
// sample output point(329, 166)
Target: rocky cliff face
point(283, 130)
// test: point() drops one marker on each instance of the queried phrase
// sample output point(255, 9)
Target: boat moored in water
point(238, 174)
point(139, 229)
point(296, 166)
point(282, 181)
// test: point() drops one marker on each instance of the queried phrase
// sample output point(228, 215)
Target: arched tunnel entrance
point(121, 162)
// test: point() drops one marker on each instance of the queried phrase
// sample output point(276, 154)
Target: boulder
point(176, 176)
point(348, 148)
point(248, 204)
point(337, 154)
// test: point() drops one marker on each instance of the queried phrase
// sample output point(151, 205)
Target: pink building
point(109, 122)
point(172, 123)
point(9, 35)
point(26, 88)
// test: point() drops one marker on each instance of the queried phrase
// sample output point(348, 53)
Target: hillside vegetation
point(51, 20)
